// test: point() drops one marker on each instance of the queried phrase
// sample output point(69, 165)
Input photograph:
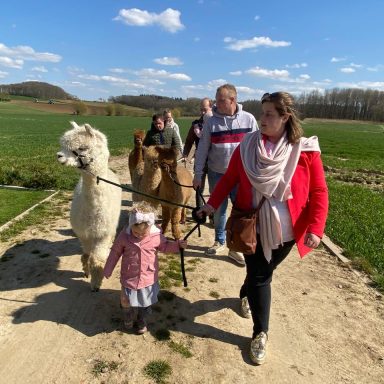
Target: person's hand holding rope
point(205, 209)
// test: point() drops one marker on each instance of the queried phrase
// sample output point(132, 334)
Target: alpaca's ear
point(89, 130)
point(74, 124)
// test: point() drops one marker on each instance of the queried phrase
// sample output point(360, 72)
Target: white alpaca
point(95, 207)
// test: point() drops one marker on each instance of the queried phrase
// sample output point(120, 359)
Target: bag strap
point(260, 204)
point(237, 212)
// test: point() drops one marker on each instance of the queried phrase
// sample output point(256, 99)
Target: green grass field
point(30, 140)
point(15, 202)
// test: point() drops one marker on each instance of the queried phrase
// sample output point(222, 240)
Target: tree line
point(336, 103)
point(36, 89)
point(350, 104)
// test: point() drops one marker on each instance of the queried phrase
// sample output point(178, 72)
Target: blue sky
point(186, 48)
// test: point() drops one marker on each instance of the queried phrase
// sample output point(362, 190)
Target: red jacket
point(308, 207)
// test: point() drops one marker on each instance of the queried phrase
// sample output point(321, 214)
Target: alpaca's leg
point(96, 263)
point(85, 263)
point(183, 216)
point(175, 220)
point(85, 245)
point(166, 217)
point(96, 269)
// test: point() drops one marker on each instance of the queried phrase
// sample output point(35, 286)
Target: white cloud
point(379, 85)
point(372, 84)
point(168, 20)
point(117, 70)
point(3, 74)
point(322, 83)
point(11, 63)
point(27, 53)
point(304, 77)
point(239, 45)
point(297, 65)
point(40, 69)
point(276, 74)
point(337, 59)
point(246, 90)
point(77, 84)
point(168, 61)
point(214, 84)
point(113, 80)
point(376, 68)
point(257, 17)
point(153, 73)
point(72, 70)
point(236, 73)
point(356, 65)
point(347, 70)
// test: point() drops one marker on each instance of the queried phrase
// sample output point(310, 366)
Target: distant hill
point(36, 89)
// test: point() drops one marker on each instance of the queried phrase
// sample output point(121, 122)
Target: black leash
point(98, 178)
point(199, 220)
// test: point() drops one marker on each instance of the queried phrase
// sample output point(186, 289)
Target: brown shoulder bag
point(241, 230)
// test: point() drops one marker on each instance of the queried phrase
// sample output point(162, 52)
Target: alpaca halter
point(80, 158)
point(136, 217)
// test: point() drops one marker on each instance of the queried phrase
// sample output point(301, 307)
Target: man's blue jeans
point(220, 216)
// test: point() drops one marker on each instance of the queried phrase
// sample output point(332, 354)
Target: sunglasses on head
point(268, 96)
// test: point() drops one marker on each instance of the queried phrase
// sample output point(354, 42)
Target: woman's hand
point(207, 209)
point(311, 240)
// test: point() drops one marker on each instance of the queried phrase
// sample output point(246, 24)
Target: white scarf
point(271, 177)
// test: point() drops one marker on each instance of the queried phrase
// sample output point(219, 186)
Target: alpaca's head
point(138, 138)
point(151, 158)
point(167, 157)
point(85, 148)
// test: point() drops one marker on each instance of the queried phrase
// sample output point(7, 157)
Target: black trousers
point(257, 283)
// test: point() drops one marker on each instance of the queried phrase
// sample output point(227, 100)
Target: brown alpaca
point(171, 172)
point(149, 180)
point(160, 166)
point(136, 161)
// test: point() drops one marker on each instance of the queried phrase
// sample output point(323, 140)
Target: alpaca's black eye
point(83, 148)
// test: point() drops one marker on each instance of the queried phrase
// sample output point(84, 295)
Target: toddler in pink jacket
point(138, 245)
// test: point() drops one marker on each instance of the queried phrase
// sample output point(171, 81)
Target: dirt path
point(327, 325)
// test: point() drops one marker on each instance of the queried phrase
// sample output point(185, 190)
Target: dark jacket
point(168, 136)
point(191, 137)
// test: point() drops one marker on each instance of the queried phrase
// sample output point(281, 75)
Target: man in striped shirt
point(222, 133)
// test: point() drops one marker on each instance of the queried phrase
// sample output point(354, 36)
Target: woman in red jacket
point(279, 164)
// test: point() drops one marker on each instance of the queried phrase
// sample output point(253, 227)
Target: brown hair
point(284, 102)
point(157, 116)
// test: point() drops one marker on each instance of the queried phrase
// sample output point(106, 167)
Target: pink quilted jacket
point(139, 261)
